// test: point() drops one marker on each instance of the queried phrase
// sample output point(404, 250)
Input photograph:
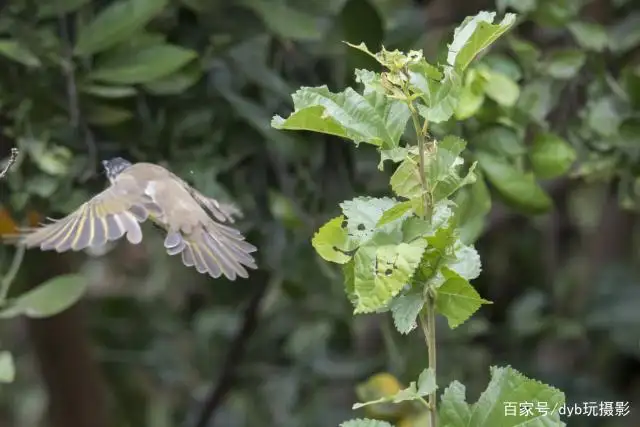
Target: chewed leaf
point(372, 118)
point(475, 34)
point(405, 310)
point(332, 242)
point(363, 214)
point(381, 272)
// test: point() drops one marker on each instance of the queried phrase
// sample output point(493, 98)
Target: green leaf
point(404, 310)
point(394, 213)
point(508, 394)
point(14, 50)
point(564, 64)
point(501, 88)
point(381, 272)
point(440, 96)
point(372, 118)
point(363, 215)
point(365, 422)
point(475, 34)
point(7, 367)
point(456, 299)
point(501, 140)
point(106, 115)
point(469, 103)
point(589, 35)
point(551, 156)
point(285, 21)
point(604, 116)
point(518, 188)
point(625, 34)
point(474, 203)
point(51, 9)
point(454, 410)
point(109, 92)
point(116, 23)
point(49, 298)
point(176, 83)
point(332, 242)
point(143, 65)
point(52, 159)
point(537, 99)
point(426, 384)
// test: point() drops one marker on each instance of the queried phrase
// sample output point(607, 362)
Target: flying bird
point(197, 227)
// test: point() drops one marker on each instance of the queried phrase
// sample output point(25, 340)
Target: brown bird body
point(195, 224)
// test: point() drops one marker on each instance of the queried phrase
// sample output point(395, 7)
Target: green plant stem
point(6, 281)
point(428, 324)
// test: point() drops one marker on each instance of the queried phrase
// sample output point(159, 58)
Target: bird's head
point(114, 167)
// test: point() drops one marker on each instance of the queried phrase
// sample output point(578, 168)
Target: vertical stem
point(429, 323)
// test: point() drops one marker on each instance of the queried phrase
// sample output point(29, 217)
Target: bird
point(196, 227)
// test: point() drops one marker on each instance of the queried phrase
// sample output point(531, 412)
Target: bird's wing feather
point(108, 216)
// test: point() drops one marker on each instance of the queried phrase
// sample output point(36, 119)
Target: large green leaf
point(372, 118)
point(510, 400)
point(456, 299)
point(143, 65)
point(49, 298)
point(518, 188)
point(14, 50)
point(116, 23)
point(475, 34)
point(551, 156)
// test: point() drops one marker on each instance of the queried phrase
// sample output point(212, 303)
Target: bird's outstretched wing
point(108, 216)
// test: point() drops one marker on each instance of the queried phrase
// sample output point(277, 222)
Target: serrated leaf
point(475, 34)
point(564, 64)
point(454, 410)
point(116, 23)
point(365, 422)
point(456, 299)
point(332, 242)
point(49, 298)
point(7, 367)
point(508, 385)
point(466, 261)
point(441, 170)
point(441, 97)
point(372, 118)
point(405, 310)
point(14, 50)
point(589, 35)
point(551, 156)
point(427, 382)
point(519, 189)
point(381, 272)
point(142, 65)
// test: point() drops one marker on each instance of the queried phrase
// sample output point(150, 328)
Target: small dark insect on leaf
point(361, 227)
point(344, 224)
point(388, 272)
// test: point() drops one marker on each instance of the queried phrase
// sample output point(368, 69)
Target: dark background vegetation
point(155, 344)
